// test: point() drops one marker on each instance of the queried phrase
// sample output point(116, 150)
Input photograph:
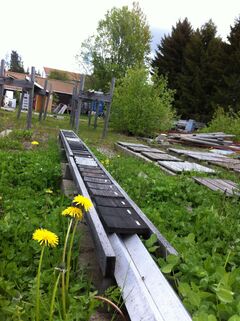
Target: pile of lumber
point(216, 140)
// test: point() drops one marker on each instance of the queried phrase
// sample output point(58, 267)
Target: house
point(63, 89)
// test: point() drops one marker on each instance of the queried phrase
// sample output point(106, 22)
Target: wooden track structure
point(146, 293)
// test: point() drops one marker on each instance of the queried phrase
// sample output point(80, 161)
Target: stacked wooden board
point(167, 162)
point(217, 140)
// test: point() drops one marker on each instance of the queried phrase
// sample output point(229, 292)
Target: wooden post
point(73, 102)
point(20, 105)
point(2, 86)
point(43, 100)
point(106, 121)
point(96, 114)
point(31, 96)
point(79, 103)
point(90, 115)
point(48, 98)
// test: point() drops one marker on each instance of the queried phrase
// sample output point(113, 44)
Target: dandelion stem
point(63, 272)
point(53, 297)
point(69, 255)
point(38, 284)
point(66, 240)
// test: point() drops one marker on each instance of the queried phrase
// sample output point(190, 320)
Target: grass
point(201, 224)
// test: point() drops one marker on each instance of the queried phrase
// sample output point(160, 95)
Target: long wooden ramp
point(116, 223)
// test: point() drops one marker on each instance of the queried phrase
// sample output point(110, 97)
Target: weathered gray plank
point(185, 166)
point(146, 293)
point(126, 144)
point(160, 156)
point(85, 161)
point(225, 186)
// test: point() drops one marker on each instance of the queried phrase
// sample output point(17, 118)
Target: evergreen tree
point(169, 56)
point(202, 74)
point(16, 63)
point(229, 93)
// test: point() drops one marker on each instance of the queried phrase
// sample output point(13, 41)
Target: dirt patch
point(106, 151)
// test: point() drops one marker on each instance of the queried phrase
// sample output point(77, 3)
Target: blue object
point(190, 126)
point(100, 107)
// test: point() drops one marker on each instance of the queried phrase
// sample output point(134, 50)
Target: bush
point(141, 108)
point(228, 122)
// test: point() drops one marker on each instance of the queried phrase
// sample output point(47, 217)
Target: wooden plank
point(163, 295)
point(109, 193)
point(143, 291)
point(17, 83)
point(96, 180)
point(111, 201)
point(126, 144)
point(138, 149)
point(178, 167)
point(160, 156)
point(225, 186)
point(104, 250)
point(87, 170)
point(85, 161)
point(105, 187)
point(122, 220)
point(96, 175)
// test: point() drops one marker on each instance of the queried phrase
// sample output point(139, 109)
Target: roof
point(71, 75)
point(58, 86)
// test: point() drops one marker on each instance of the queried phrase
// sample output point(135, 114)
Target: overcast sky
point(50, 32)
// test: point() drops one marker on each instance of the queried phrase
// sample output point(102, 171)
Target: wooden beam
point(20, 106)
point(79, 103)
point(43, 100)
point(31, 96)
point(1, 85)
point(16, 82)
point(107, 116)
point(48, 98)
point(146, 293)
point(88, 96)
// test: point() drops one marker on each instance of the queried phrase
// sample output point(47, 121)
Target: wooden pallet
point(223, 185)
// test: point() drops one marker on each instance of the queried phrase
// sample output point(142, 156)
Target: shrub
point(139, 107)
point(228, 122)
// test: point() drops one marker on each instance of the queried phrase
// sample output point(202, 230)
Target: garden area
point(200, 224)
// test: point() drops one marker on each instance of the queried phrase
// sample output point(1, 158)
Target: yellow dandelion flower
point(35, 142)
point(45, 237)
point(107, 161)
point(48, 191)
point(83, 201)
point(73, 212)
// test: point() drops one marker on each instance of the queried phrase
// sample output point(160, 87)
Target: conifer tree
point(169, 56)
point(201, 75)
point(16, 63)
point(229, 92)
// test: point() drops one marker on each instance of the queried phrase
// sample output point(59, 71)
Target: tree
point(139, 107)
point(122, 41)
point(16, 63)
point(201, 75)
point(58, 75)
point(229, 92)
point(169, 56)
